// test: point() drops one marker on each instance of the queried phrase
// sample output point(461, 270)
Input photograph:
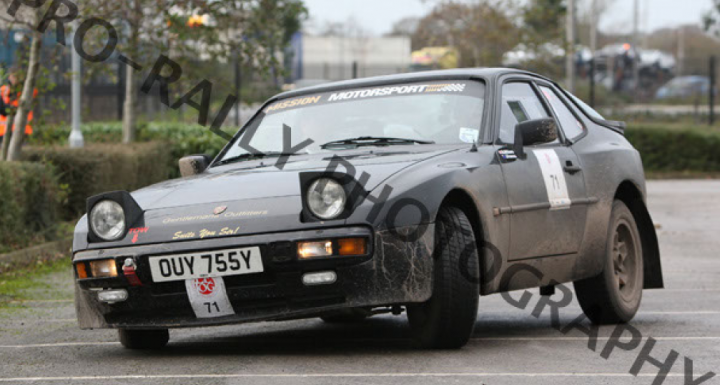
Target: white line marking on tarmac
point(507, 339)
point(679, 290)
point(579, 311)
point(699, 312)
point(324, 375)
point(491, 312)
point(44, 301)
point(43, 320)
point(58, 345)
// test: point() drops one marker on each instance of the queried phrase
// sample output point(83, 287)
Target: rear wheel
point(144, 339)
point(446, 321)
point(614, 296)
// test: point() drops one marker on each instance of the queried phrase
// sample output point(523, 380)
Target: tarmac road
point(40, 342)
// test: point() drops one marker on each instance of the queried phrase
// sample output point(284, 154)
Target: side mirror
point(532, 132)
point(193, 164)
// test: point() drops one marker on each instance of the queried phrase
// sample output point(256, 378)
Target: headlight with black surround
point(107, 219)
point(326, 198)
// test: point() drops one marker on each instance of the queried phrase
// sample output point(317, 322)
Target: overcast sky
point(378, 16)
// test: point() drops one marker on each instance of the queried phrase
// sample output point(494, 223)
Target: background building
point(332, 58)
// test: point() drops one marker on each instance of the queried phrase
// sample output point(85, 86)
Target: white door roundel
point(554, 176)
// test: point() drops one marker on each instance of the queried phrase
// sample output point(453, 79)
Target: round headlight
point(107, 219)
point(326, 198)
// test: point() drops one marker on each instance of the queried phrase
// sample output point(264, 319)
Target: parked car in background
point(684, 87)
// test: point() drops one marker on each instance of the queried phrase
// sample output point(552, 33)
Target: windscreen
point(445, 112)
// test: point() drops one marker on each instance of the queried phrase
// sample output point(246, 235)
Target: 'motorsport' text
point(400, 90)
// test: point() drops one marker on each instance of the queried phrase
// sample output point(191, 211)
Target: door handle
point(570, 168)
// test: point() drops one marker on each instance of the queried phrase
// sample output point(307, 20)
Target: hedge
point(184, 139)
point(30, 198)
point(668, 149)
point(663, 147)
point(98, 168)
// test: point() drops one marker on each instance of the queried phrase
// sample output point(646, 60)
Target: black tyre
point(446, 321)
point(144, 339)
point(614, 296)
point(346, 316)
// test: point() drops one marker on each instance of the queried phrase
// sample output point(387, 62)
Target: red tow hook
point(130, 273)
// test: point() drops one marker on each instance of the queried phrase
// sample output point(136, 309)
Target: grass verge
point(31, 283)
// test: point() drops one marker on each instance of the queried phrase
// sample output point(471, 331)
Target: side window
point(571, 126)
point(520, 103)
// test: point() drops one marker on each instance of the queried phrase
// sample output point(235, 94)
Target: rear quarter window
point(585, 108)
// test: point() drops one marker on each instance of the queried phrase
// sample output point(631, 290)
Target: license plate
point(218, 263)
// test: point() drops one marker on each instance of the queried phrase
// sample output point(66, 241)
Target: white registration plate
point(218, 263)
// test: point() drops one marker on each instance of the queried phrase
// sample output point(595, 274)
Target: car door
point(545, 188)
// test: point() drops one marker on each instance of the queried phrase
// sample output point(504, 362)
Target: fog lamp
point(352, 246)
point(103, 269)
point(112, 296)
point(315, 249)
point(319, 278)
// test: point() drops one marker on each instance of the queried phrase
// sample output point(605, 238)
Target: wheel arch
point(630, 194)
point(462, 200)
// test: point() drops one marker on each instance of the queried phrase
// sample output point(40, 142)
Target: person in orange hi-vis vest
point(11, 102)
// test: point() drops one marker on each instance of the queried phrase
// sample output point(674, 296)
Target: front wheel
point(144, 339)
point(614, 296)
point(446, 321)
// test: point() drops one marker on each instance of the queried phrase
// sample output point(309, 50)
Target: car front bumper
point(397, 270)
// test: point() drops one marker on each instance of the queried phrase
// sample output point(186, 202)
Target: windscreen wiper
point(373, 141)
point(256, 156)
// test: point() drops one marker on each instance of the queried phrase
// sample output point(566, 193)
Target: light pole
point(636, 49)
point(76, 137)
point(593, 49)
point(570, 54)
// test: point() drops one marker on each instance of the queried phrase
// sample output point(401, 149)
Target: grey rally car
point(413, 193)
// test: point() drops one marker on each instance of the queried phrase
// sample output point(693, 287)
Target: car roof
point(486, 73)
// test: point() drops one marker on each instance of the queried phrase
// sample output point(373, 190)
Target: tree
point(543, 22)
point(405, 27)
point(193, 31)
point(711, 19)
point(542, 35)
point(482, 30)
point(27, 19)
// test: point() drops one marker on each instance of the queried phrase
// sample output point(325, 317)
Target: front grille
point(233, 281)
